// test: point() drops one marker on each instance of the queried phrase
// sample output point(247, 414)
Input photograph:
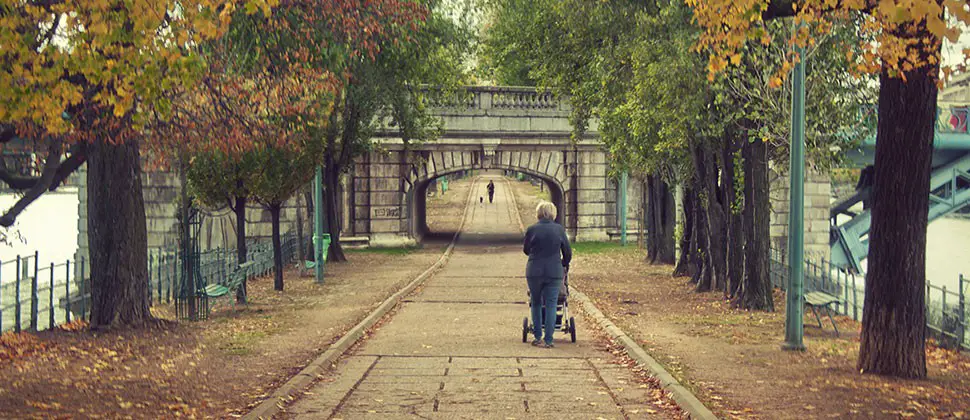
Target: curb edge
point(681, 395)
point(283, 395)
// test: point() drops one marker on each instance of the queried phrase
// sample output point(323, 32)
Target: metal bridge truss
point(949, 192)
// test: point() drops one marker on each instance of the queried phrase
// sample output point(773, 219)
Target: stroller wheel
point(572, 329)
point(525, 330)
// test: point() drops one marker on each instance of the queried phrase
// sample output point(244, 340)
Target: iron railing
point(36, 296)
point(946, 309)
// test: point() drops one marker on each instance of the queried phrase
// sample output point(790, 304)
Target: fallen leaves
point(14, 346)
point(730, 357)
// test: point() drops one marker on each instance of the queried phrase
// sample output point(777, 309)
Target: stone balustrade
point(482, 98)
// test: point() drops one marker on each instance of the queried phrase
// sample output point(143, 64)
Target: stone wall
point(161, 192)
point(386, 198)
point(818, 197)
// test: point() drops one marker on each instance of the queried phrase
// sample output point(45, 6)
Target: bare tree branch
point(47, 176)
point(55, 171)
point(7, 133)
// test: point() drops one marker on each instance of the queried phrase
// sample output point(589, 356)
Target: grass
point(242, 343)
point(601, 247)
point(382, 250)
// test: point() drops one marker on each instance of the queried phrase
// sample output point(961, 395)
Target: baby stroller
point(562, 312)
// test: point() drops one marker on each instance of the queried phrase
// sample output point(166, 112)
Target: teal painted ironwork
point(50, 300)
point(34, 298)
point(318, 225)
point(794, 309)
point(623, 182)
point(67, 292)
point(949, 192)
point(949, 186)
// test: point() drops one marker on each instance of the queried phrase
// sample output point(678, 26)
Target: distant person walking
point(549, 252)
point(491, 191)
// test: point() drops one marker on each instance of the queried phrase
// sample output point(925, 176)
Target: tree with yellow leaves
point(908, 36)
point(78, 78)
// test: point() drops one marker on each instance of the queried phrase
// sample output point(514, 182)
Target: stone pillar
point(818, 195)
point(596, 198)
point(388, 207)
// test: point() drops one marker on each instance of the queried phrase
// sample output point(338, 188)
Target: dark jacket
point(544, 241)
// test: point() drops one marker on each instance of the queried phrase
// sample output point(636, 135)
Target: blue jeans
point(544, 289)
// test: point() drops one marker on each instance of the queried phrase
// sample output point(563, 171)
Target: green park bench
point(233, 283)
point(816, 300)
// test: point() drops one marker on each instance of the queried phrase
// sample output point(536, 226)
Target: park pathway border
point(287, 392)
point(686, 400)
point(681, 395)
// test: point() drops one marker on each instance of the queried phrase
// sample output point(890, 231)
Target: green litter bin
point(326, 247)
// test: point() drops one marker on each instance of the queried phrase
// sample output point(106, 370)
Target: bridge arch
point(510, 128)
point(420, 180)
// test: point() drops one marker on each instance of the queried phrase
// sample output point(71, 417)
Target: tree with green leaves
point(388, 91)
point(633, 65)
point(279, 174)
point(216, 181)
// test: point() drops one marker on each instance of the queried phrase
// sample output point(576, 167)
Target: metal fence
point(37, 295)
point(946, 309)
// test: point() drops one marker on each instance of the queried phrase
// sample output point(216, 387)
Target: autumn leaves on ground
point(222, 366)
point(214, 368)
point(731, 359)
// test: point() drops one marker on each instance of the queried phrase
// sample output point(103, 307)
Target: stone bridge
point(502, 128)
point(383, 196)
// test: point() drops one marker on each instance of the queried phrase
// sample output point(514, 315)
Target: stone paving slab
point(507, 290)
point(453, 350)
point(413, 362)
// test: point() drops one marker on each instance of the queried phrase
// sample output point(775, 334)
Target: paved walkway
point(454, 349)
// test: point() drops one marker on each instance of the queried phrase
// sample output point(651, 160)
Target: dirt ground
point(444, 210)
point(217, 368)
point(731, 359)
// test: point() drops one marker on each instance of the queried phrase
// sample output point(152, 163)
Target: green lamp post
point(796, 212)
point(318, 257)
point(623, 182)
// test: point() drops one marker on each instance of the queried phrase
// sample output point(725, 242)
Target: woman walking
point(548, 249)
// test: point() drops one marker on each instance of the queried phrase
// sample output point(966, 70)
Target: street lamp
point(796, 212)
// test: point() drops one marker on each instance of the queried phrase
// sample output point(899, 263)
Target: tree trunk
point(117, 236)
point(643, 216)
point(652, 228)
point(894, 317)
point(716, 225)
point(683, 263)
point(330, 201)
point(667, 221)
point(274, 211)
point(734, 240)
point(756, 286)
point(710, 234)
point(242, 253)
point(700, 268)
point(308, 197)
point(703, 275)
point(188, 255)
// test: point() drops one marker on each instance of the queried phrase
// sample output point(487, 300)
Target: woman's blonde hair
point(546, 210)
